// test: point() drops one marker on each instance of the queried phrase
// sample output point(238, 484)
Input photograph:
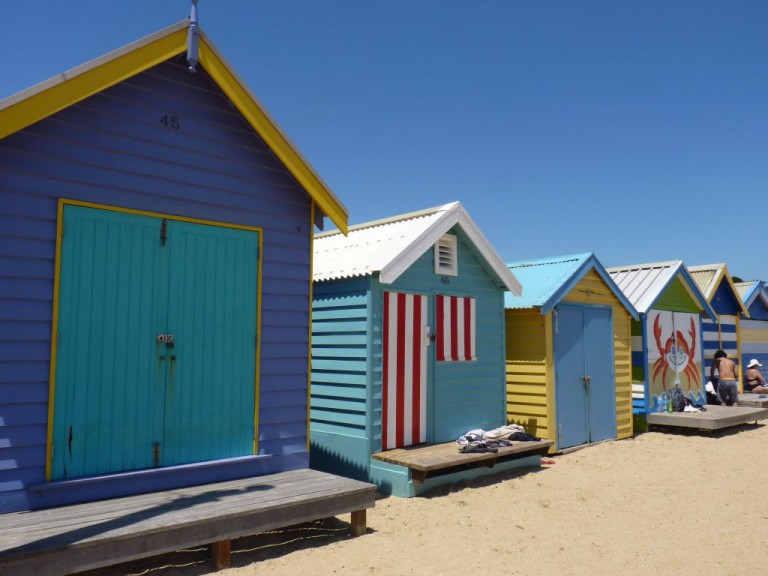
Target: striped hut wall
point(529, 372)
point(754, 343)
point(723, 334)
point(592, 290)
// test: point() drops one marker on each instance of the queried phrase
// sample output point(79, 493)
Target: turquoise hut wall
point(462, 395)
point(113, 149)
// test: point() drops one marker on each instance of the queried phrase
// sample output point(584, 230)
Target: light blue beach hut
point(667, 345)
point(407, 344)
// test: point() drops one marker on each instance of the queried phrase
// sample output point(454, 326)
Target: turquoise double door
point(156, 343)
point(585, 391)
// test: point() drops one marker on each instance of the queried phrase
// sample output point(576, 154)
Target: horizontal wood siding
point(113, 149)
point(339, 392)
point(754, 343)
point(527, 372)
point(464, 395)
point(592, 290)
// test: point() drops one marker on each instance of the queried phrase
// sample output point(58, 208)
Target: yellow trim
point(311, 293)
point(54, 341)
point(39, 102)
point(249, 107)
point(257, 383)
point(55, 318)
point(80, 86)
point(160, 215)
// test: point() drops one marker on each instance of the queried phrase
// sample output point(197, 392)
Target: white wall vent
point(446, 257)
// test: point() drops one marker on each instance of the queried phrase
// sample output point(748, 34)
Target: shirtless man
point(753, 379)
point(728, 384)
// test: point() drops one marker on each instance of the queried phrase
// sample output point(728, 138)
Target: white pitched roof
point(390, 246)
point(642, 284)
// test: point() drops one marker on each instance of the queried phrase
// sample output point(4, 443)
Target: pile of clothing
point(490, 441)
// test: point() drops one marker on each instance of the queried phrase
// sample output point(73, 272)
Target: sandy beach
point(660, 503)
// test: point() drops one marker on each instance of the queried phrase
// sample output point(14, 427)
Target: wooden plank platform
point(59, 541)
point(435, 459)
point(715, 418)
point(755, 400)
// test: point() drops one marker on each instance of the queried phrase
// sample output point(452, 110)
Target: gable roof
point(40, 101)
point(390, 246)
point(644, 284)
point(752, 291)
point(709, 277)
point(548, 280)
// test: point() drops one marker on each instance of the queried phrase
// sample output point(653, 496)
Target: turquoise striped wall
point(346, 399)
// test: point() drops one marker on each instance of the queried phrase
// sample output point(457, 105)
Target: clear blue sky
point(637, 130)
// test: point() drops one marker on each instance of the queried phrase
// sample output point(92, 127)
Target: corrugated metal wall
point(120, 147)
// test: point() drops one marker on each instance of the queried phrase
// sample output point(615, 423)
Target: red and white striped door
point(406, 338)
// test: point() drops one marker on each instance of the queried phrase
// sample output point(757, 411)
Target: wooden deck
point(715, 418)
point(436, 459)
point(755, 400)
point(59, 541)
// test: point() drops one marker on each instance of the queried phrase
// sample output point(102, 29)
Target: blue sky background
point(637, 130)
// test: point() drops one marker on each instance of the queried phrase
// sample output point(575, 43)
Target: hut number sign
point(171, 122)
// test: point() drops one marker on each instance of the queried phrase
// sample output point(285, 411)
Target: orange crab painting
point(676, 354)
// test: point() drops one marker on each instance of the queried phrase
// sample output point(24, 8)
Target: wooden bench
point(436, 459)
point(715, 418)
point(754, 400)
point(68, 539)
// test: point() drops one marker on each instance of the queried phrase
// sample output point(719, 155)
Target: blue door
point(156, 341)
point(585, 398)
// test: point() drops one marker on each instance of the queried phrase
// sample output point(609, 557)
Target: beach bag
point(677, 398)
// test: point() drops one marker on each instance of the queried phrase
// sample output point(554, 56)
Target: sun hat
point(754, 362)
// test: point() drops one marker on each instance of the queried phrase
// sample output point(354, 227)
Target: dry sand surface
point(661, 503)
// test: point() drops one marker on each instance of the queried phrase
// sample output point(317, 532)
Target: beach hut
point(157, 232)
point(754, 330)
point(667, 344)
point(723, 332)
point(407, 345)
point(568, 351)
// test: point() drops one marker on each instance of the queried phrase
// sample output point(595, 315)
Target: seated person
point(753, 379)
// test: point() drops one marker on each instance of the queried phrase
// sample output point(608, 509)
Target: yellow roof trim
point(47, 98)
point(247, 104)
point(43, 100)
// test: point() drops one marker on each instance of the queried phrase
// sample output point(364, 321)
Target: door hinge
point(156, 453)
point(163, 231)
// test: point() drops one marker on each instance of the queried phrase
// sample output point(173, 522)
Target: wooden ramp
point(68, 539)
point(715, 418)
point(435, 459)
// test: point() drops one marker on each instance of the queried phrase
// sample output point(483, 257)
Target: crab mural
point(677, 355)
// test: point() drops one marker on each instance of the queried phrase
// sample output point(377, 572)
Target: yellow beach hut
point(568, 353)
